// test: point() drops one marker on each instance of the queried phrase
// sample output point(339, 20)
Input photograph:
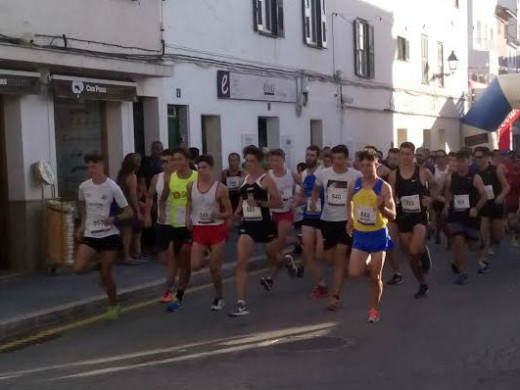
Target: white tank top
point(203, 205)
point(285, 185)
point(440, 176)
point(159, 187)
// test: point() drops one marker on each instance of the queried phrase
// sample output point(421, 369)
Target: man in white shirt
point(97, 232)
point(335, 181)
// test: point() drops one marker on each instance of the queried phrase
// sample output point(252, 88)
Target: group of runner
point(347, 213)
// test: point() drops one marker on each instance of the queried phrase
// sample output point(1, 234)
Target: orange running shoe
point(373, 316)
point(167, 297)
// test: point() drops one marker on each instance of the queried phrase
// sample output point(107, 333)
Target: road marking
point(97, 318)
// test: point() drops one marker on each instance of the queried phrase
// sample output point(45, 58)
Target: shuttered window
point(268, 17)
point(364, 50)
point(315, 23)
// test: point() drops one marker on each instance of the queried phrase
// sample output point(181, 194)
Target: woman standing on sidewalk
point(131, 230)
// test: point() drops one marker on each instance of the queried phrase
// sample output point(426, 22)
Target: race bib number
point(461, 202)
point(411, 204)
point(180, 216)
point(489, 192)
point(318, 207)
point(233, 183)
point(205, 217)
point(337, 196)
point(96, 224)
point(251, 213)
point(366, 215)
point(287, 196)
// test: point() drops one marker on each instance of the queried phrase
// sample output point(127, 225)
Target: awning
point(19, 82)
point(70, 87)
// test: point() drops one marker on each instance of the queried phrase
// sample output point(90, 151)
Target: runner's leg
point(339, 256)
point(415, 251)
point(375, 266)
point(245, 247)
point(107, 259)
point(83, 262)
point(198, 252)
point(313, 243)
point(215, 266)
point(358, 263)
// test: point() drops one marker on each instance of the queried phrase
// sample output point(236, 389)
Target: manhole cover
point(312, 344)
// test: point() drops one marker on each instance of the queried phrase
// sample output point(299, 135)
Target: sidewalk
point(31, 303)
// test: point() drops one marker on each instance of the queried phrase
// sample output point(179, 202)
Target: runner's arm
point(126, 211)
point(226, 211)
point(133, 189)
point(83, 215)
point(297, 178)
point(350, 202)
point(388, 209)
point(189, 222)
point(224, 175)
point(275, 200)
point(479, 185)
point(433, 184)
point(166, 189)
point(505, 185)
point(447, 195)
point(391, 182)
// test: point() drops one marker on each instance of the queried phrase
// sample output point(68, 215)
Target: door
point(427, 138)
point(139, 142)
point(4, 263)
point(177, 126)
point(269, 132)
point(211, 139)
point(317, 133)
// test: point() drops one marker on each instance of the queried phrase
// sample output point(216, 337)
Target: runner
point(465, 197)
point(208, 208)
point(442, 171)
point(283, 217)
point(512, 201)
point(164, 229)
point(259, 195)
point(311, 224)
point(370, 205)
point(99, 237)
point(492, 214)
point(392, 162)
point(176, 185)
point(231, 178)
point(336, 242)
point(409, 183)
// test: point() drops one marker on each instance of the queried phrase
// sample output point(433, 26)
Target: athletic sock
point(179, 295)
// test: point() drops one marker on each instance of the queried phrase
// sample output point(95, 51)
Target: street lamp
point(453, 62)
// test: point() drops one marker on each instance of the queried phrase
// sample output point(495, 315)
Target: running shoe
point(240, 309)
point(174, 305)
point(491, 251)
point(484, 268)
point(291, 266)
point(113, 312)
point(319, 292)
point(454, 268)
point(333, 304)
point(301, 271)
point(426, 261)
point(462, 279)
point(217, 305)
point(397, 278)
point(167, 297)
point(373, 316)
point(267, 283)
point(422, 292)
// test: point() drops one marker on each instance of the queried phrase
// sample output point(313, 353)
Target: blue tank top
point(308, 185)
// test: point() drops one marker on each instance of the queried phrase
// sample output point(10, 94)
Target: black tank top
point(464, 196)
point(410, 193)
point(490, 178)
point(255, 192)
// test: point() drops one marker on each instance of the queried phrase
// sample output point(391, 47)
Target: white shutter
point(260, 16)
point(307, 21)
point(323, 24)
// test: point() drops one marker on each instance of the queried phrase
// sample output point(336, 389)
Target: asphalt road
point(460, 337)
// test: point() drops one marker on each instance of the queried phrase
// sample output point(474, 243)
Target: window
point(425, 67)
point(364, 49)
point(317, 133)
point(427, 139)
point(402, 136)
point(403, 49)
point(440, 64)
point(456, 3)
point(268, 17)
point(315, 23)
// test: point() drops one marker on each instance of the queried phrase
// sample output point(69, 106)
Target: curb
point(29, 324)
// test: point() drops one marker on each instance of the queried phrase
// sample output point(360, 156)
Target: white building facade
point(69, 74)
point(295, 72)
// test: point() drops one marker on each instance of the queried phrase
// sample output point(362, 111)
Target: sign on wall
point(237, 86)
point(475, 140)
point(70, 88)
point(14, 82)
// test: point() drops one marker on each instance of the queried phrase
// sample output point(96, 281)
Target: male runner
point(370, 205)
point(442, 170)
point(409, 183)
point(164, 231)
point(177, 186)
point(492, 214)
point(259, 195)
point(336, 242)
point(283, 217)
point(231, 178)
point(97, 232)
point(208, 208)
point(465, 197)
point(311, 224)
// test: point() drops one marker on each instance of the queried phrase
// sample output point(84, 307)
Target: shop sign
point(237, 86)
point(93, 89)
point(13, 82)
point(478, 139)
